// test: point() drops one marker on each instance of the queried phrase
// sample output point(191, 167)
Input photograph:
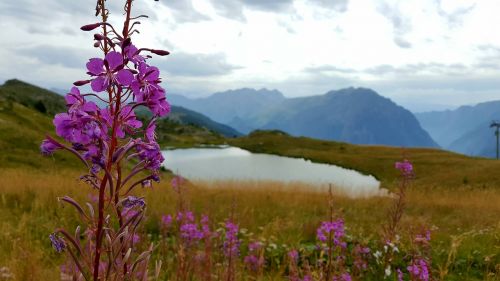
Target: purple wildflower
point(405, 167)
point(361, 255)
point(254, 246)
point(127, 121)
point(231, 242)
point(343, 277)
point(147, 90)
point(205, 227)
point(48, 146)
point(149, 133)
point(253, 263)
point(400, 274)
point(108, 72)
point(150, 153)
point(185, 217)
point(136, 238)
point(166, 221)
point(57, 242)
point(294, 256)
point(419, 270)
point(332, 229)
point(190, 233)
point(133, 54)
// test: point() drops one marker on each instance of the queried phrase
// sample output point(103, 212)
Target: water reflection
point(232, 163)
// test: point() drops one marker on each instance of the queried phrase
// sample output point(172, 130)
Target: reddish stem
point(115, 110)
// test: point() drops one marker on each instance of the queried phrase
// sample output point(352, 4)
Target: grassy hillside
point(26, 113)
point(433, 167)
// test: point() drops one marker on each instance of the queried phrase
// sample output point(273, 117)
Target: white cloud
point(301, 47)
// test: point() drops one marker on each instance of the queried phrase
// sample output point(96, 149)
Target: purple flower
point(419, 270)
point(127, 121)
point(75, 102)
point(150, 133)
point(400, 274)
point(147, 90)
point(361, 255)
point(190, 234)
point(133, 54)
point(205, 227)
point(150, 153)
point(136, 238)
point(166, 220)
point(254, 246)
point(294, 256)
point(132, 201)
point(333, 230)
point(57, 243)
point(253, 263)
point(405, 167)
point(424, 238)
point(186, 216)
point(343, 277)
point(108, 71)
point(49, 145)
point(231, 241)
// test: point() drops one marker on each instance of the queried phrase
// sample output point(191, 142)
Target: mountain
point(26, 113)
point(39, 98)
point(447, 126)
point(355, 115)
point(465, 129)
point(230, 107)
point(480, 141)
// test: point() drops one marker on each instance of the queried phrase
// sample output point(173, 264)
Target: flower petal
point(152, 74)
point(124, 77)
point(95, 66)
point(99, 84)
point(114, 60)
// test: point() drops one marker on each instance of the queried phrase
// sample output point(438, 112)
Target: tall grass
point(465, 221)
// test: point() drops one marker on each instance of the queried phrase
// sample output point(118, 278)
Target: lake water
point(232, 163)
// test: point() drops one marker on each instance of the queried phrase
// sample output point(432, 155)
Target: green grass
point(456, 195)
point(433, 167)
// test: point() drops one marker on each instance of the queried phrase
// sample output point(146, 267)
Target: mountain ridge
point(465, 129)
point(311, 116)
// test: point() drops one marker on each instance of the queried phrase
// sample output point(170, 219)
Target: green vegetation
point(434, 168)
point(457, 196)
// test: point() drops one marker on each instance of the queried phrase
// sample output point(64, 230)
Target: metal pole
point(496, 134)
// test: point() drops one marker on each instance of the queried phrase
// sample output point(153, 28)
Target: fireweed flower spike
point(104, 138)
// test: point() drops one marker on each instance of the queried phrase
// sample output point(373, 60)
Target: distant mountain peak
point(262, 92)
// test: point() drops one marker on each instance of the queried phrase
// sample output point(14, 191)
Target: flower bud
point(97, 44)
point(98, 37)
point(90, 27)
point(160, 52)
point(81, 82)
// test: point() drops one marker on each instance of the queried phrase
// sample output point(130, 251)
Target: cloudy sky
point(423, 54)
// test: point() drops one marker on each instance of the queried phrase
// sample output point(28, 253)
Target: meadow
point(455, 196)
point(464, 220)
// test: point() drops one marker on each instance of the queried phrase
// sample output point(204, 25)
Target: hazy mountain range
point(465, 129)
point(355, 115)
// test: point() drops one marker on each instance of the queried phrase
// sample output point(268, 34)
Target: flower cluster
point(253, 260)
point(332, 231)
point(106, 136)
point(419, 270)
point(231, 242)
point(405, 167)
